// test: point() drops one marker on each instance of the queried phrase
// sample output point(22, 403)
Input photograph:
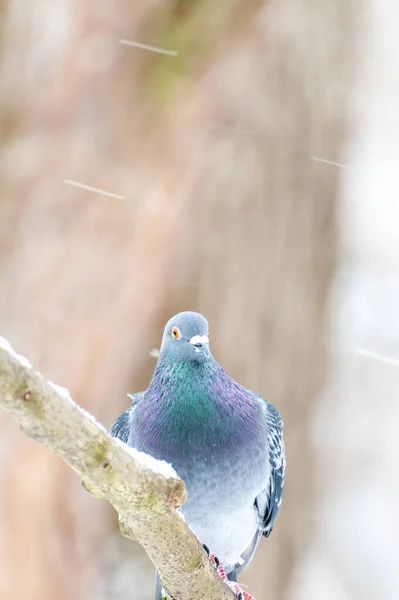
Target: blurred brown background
point(217, 200)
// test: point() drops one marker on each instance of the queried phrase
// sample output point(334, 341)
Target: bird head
point(185, 337)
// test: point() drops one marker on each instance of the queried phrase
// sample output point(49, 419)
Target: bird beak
point(199, 341)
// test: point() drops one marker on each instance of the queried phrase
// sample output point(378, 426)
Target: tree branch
point(145, 498)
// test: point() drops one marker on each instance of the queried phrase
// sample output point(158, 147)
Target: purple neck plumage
point(194, 404)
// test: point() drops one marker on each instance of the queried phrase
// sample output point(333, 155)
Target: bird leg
point(235, 587)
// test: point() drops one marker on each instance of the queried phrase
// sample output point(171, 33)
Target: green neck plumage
point(183, 403)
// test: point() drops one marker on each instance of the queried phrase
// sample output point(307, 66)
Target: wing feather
point(268, 503)
point(121, 427)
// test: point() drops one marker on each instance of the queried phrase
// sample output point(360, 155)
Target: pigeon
point(223, 440)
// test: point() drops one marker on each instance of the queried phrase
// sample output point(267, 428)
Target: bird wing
point(269, 500)
point(267, 503)
point(121, 427)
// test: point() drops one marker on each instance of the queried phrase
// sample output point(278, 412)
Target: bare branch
point(145, 499)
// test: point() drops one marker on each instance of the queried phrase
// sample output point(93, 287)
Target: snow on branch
point(144, 492)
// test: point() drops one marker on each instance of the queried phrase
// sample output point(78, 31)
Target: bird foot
point(234, 586)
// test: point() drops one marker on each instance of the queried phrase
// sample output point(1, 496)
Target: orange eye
point(175, 333)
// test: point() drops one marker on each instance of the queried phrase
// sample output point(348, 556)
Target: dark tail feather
point(232, 576)
point(158, 587)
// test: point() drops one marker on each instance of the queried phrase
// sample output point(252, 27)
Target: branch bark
point(146, 500)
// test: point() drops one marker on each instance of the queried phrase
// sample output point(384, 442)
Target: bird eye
point(175, 333)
